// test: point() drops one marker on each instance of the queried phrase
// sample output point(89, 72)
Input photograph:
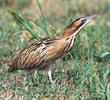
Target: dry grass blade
point(24, 23)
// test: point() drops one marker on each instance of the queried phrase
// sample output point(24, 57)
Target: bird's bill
point(88, 18)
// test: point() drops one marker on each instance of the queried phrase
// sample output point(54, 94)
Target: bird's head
point(77, 25)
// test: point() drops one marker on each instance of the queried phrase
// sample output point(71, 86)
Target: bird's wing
point(32, 56)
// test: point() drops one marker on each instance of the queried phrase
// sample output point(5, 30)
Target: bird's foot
point(52, 82)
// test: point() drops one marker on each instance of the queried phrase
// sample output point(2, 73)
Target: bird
point(41, 54)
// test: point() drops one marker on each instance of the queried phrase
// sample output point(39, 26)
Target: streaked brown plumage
point(42, 53)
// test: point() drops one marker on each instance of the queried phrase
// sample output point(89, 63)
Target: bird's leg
point(49, 74)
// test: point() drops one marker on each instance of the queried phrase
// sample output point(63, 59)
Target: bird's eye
point(83, 21)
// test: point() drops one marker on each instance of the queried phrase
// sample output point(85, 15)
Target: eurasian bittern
point(42, 53)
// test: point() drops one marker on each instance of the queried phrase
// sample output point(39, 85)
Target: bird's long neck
point(68, 32)
point(73, 28)
point(67, 43)
point(71, 32)
point(70, 42)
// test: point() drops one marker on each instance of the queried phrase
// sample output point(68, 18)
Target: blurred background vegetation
point(83, 74)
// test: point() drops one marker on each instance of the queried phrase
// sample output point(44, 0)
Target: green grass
point(85, 72)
